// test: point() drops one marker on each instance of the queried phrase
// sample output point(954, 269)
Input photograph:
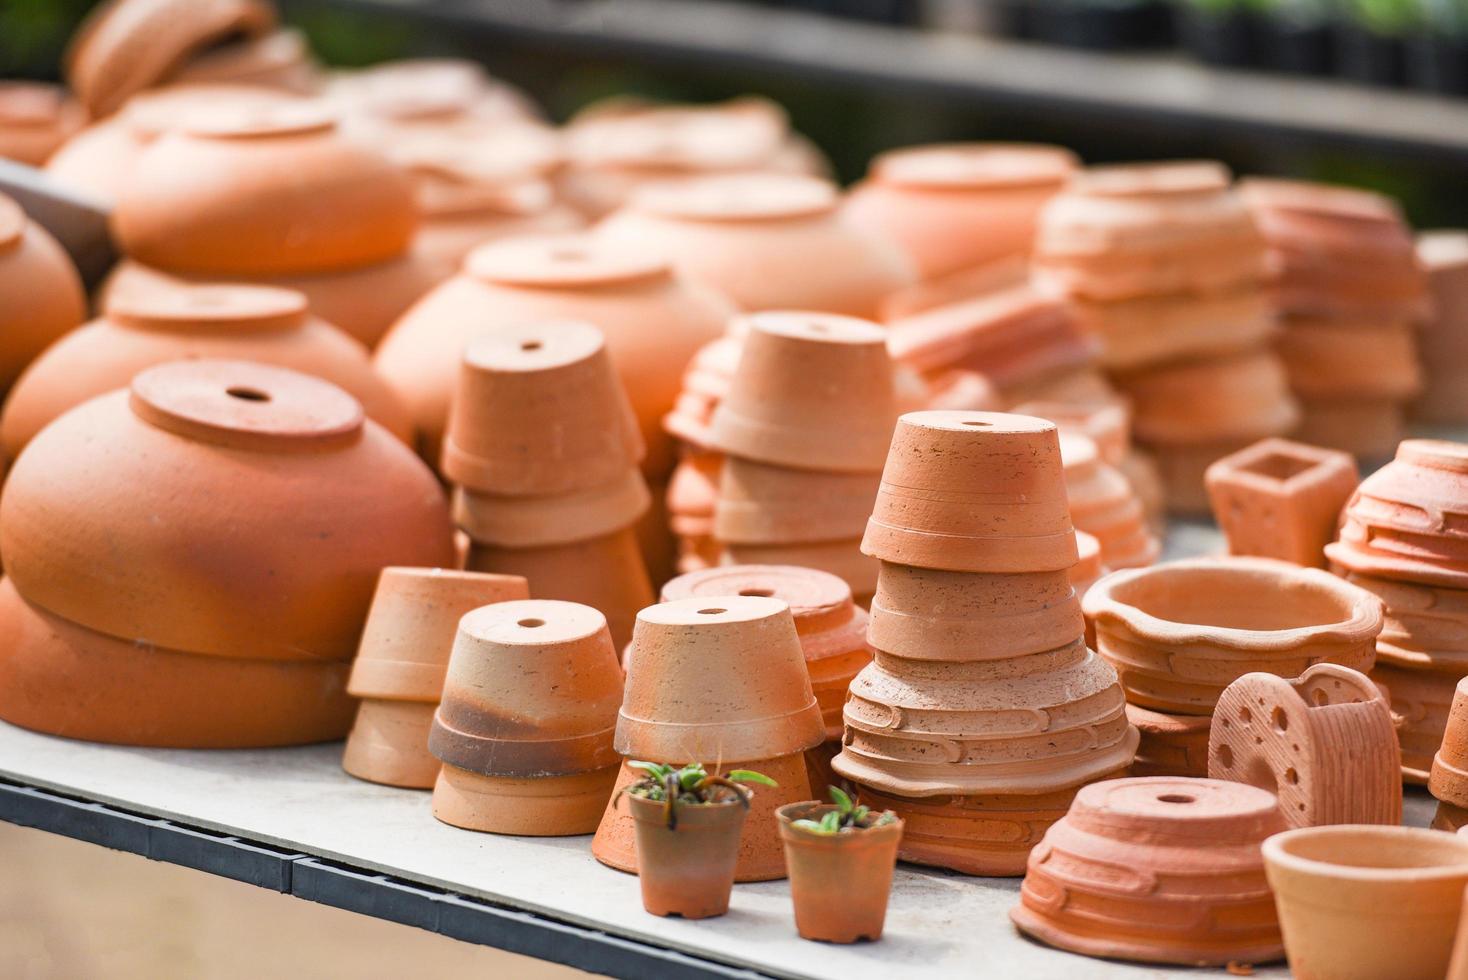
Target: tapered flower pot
point(1449, 779)
point(39, 289)
point(839, 882)
point(842, 559)
point(36, 118)
point(687, 870)
point(1366, 902)
point(1169, 745)
point(1156, 869)
point(1105, 505)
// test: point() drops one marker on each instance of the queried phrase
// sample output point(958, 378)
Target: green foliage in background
point(33, 33)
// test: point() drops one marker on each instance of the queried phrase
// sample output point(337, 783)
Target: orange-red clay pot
point(1449, 779)
point(36, 118)
point(1104, 504)
point(689, 870)
point(1169, 745)
point(40, 291)
point(1442, 340)
point(778, 505)
point(839, 882)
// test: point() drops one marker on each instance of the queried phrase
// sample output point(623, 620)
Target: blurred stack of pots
point(1349, 292)
point(984, 710)
point(36, 118)
point(543, 449)
point(1442, 338)
point(1104, 505)
point(40, 291)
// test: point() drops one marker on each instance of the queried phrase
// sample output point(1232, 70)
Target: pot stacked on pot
point(1403, 539)
point(1349, 290)
point(544, 450)
point(1104, 505)
point(983, 711)
point(1164, 266)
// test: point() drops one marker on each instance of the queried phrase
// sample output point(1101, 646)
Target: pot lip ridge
point(651, 810)
point(790, 812)
point(1276, 853)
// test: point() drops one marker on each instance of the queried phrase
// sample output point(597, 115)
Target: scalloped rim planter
point(839, 883)
point(1253, 619)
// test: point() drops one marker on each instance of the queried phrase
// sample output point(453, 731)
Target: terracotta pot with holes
point(838, 882)
point(40, 291)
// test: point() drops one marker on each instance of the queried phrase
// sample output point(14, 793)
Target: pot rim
point(1276, 853)
point(790, 812)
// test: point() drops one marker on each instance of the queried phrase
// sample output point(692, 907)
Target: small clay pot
point(388, 744)
point(1366, 902)
point(687, 870)
point(1449, 779)
point(40, 291)
point(812, 391)
point(973, 492)
point(1421, 702)
point(838, 882)
point(1325, 742)
point(777, 505)
point(1281, 499)
point(1440, 339)
point(842, 559)
point(1180, 632)
point(1158, 869)
point(1104, 504)
point(555, 519)
point(1169, 745)
point(36, 118)
point(1410, 507)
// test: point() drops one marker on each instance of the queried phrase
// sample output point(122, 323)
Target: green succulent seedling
point(692, 785)
point(848, 815)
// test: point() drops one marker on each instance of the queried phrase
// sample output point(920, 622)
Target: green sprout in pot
point(848, 815)
point(692, 785)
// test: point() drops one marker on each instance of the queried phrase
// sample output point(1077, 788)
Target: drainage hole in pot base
point(761, 593)
point(1176, 798)
point(711, 612)
point(530, 624)
point(247, 394)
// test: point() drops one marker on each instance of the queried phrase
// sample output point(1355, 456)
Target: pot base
point(549, 806)
point(389, 744)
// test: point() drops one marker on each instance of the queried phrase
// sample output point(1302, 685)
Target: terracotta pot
point(254, 495)
point(605, 573)
point(1169, 745)
point(1243, 396)
point(706, 383)
point(956, 206)
point(126, 46)
point(1340, 359)
point(838, 882)
point(63, 679)
point(1081, 384)
point(1443, 353)
point(812, 391)
point(721, 679)
point(1361, 902)
point(767, 241)
point(692, 495)
point(1324, 742)
point(1181, 473)
point(653, 322)
point(842, 559)
point(39, 290)
point(1180, 632)
point(760, 857)
point(1424, 627)
point(459, 219)
point(923, 614)
point(556, 519)
point(1367, 428)
point(281, 59)
point(530, 694)
point(1147, 331)
point(400, 667)
point(1003, 273)
point(1421, 702)
point(687, 871)
point(1103, 504)
point(973, 492)
point(1158, 869)
point(1281, 499)
point(763, 504)
point(36, 118)
point(1086, 572)
point(253, 323)
point(253, 175)
point(1107, 424)
point(1411, 507)
point(1449, 779)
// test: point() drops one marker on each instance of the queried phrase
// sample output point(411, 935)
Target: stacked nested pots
point(1442, 338)
point(1403, 538)
point(1349, 290)
point(1163, 264)
point(719, 680)
point(36, 118)
point(983, 710)
point(543, 449)
point(189, 561)
point(1105, 505)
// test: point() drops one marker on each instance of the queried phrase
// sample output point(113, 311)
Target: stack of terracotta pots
point(1349, 291)
point(1403, 538)
point(1163, 264)
point(399, 671)
point(40, 291)
point(543, 450)
point(983, 711)
point(722, 681)
point(804, 428)
point(1104, 504)
point(964, 212)
point(1179, 633)
point(1442, 338)
point(36, 118)
point(224, 526)
point(524, 728)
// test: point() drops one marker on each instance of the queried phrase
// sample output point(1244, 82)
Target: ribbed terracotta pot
point(1180, 632)
point(1449, 779)
point(775, 505)
point(1424, 627)
point(400, 667)
point(1104, 504)
point(838, 882)
point(767, 241)
point(144, 328)
point(652, 319)
point(842, 559)
point(689, 869)
point(1411, 508)
point(219, 507)
point(39, 290)
point(1325, 742)
point(1440, 338)
point(1367, 902)
point(1421, 702)
point(1169, 745)
point(36, 118)
point(531, 694)
point(1158, 869)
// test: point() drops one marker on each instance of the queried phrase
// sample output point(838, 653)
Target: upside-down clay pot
point(763, 504)
point(1424, 627)
point(653, 321)
point(1180, 632)
point(400, 667)
point(1157, 869)
point(1358, 903)
point(1325, 742)
point(125, 46)
point(1448, 781)
point(812, 391)
point(254, 323)
point(842, 559)
point(692, 499)
point(1169, 745)
point(838, 882)
point(1105, 505)
point(1243, 396)
point(688, 870)
point(973, 492)
point(36, 118)
point(1149, 330)
point(766, 241)
point(40, 291)
point(531, 694)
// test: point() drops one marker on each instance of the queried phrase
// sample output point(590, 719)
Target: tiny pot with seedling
point(840, 856)
point(688, 822)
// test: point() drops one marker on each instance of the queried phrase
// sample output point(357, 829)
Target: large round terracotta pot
point(222, 508)
point(251, 323)
point(40, 292)
point(36, 118)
